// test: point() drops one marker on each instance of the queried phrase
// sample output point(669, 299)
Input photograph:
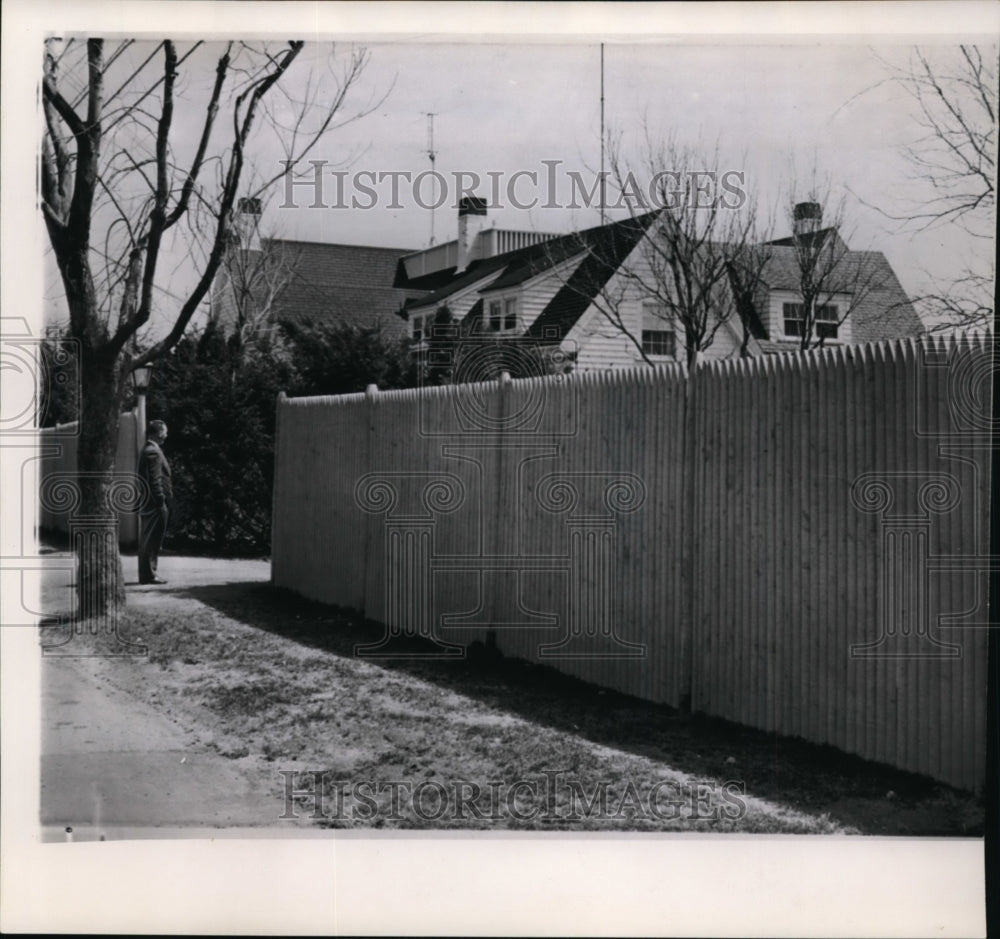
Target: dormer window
point(510, 314)
point(825, 323)
point(502, 315)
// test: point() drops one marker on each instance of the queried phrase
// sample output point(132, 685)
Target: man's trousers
point(152, 528)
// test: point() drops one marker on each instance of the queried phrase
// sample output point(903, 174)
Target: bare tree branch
point(833, 281)
point(113, 176)
point(954, 165)
point(692, 264)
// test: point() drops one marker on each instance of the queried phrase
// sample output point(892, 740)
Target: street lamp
point(140, 376)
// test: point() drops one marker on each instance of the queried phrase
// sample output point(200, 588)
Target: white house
point(575, 292)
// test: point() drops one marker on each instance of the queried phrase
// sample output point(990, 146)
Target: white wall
point(602, 345)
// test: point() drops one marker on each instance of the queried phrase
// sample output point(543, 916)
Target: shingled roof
point(609, 246)
point(807, 238)
point(529, 262)
point(341, 283)
point(884, 311)
point(474, 273)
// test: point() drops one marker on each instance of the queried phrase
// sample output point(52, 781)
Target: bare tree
point(127, 165)
point(699, 254)
point(832, 281)
point(953, 165)
point(967, 300)
point(747, 267)
point(255, 274)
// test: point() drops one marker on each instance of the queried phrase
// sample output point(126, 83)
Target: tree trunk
point(94, 530)
point(691, 351)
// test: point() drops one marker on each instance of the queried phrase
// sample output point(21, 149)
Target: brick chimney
point(807, 217)
point(471, 221)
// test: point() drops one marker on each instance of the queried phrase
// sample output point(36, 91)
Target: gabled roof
point(341, 283)
point(884, 311)
point(782, 270)
point(609, 246)
point(536, 262)
point(424, 282)
point(749, 308)
point(474, 273)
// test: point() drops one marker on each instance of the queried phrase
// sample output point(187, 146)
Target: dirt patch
point(270, 677)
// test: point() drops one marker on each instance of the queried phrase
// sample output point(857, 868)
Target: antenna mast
point(602, 134)
point(431, 154)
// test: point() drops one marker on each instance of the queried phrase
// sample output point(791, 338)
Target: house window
point(502, 315)
point(418, 328)
point(510, 314)
point(792, 313)
point(657, 336)
point(658, 342)
point(825, 323)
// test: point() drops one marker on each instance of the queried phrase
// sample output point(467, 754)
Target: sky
point(510, 107)
point(775, 111)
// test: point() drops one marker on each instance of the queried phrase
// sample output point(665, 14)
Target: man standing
point(154, 469)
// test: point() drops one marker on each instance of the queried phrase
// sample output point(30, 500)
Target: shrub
point(219, 399)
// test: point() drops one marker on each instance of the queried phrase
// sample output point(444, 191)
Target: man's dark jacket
point(155, 470)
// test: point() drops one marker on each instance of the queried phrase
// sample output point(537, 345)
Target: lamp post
point(140, 375)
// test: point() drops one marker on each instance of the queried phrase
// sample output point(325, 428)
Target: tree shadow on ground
point(874, 798)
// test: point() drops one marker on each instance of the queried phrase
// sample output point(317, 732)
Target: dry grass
point(266, 675)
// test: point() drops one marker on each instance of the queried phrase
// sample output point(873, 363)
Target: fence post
point(275, 500)
point(371, 396)
point(689, 561)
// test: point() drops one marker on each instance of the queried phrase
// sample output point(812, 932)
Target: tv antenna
point(431, 155)
point(603, 194)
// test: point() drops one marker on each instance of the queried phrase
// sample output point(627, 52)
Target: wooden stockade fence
point(58, 477)
point(797, 543)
